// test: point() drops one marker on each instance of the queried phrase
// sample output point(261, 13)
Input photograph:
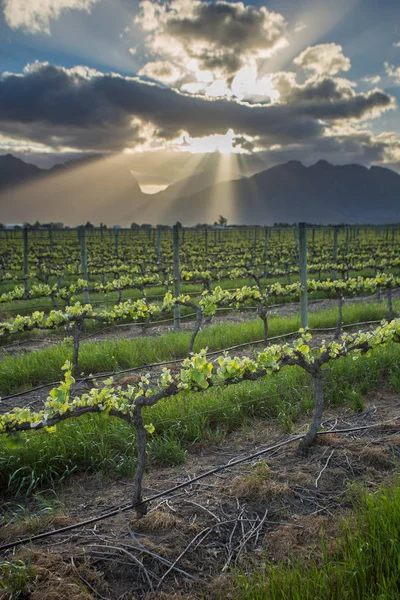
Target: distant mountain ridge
point(101, 189)
point(290, 192)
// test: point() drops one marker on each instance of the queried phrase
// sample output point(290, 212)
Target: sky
point(165, 84)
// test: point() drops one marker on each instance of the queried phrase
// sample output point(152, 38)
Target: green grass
point(97, 443)
point(43, 366)
point(16, 577)
point(365, 566)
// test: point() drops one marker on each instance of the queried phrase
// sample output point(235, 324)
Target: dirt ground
point(268, 509)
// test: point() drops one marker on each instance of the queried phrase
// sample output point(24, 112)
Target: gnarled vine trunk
point(262, 313)
point(197, 326)
point(339, 324)
point(308, 439)
point(390, 304)
point(78, 326)
point(141, 443)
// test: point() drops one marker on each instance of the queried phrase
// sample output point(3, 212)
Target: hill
point(104, 189)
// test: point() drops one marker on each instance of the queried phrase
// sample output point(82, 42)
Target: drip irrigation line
point(34, 389)
point(183, 485)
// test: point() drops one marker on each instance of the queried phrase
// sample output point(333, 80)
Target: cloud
point(216, 38)
point(35, 15)
point(393, 72)
point(374, 79)
point(300, 26)
point(396, 44)
point(315, 90)
point(323, 59)
point(162, 71)
point(83, 109)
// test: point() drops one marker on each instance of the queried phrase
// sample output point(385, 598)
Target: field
point(204, 412)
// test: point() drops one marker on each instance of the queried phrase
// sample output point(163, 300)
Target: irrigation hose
point(183, 485)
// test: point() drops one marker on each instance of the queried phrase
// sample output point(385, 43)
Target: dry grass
point(303, 537)
point(56, 579)
point(166, 596)
point(376, 457)
point(253, 487)
point(157, 520)
point(32, 525)
point(330, 439)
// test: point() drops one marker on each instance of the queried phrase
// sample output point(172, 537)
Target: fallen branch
point(323, 468)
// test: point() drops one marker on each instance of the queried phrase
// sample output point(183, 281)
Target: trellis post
point(177, 275)
point(26, 266)
point(85, 272)
point(335, 248)
point(303, 275)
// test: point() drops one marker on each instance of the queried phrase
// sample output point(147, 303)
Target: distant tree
point(89, 225)
point(1, 225)
point(36, 225)
point(134, 225)
point(103, 226)
point(222, 221)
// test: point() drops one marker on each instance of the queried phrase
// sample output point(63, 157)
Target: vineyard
point(194, 411)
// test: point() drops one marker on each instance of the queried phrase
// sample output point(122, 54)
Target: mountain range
point(104, 189)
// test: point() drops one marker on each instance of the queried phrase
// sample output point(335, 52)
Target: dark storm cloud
point(219, 35)
point(317, 91)
point(94, 111)
point(349, 108)
point(236, 29)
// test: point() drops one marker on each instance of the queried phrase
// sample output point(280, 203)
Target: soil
point(268, 509)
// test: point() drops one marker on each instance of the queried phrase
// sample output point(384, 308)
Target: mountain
point(96, 189)
point(14, 171)
point(290, 192)
point(103, 189)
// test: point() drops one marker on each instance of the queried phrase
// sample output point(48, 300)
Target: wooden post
point(303, 275)
point(116, 234)
point(26, 266)
point(266, 236)
point(177, 276)
point(85, 273)
point(159, 245)
point(335, 248)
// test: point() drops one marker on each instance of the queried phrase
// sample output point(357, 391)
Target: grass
point(21, 520)
point(97, 443)
point(44, 366)
point(365, 565)
point(16, 578)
